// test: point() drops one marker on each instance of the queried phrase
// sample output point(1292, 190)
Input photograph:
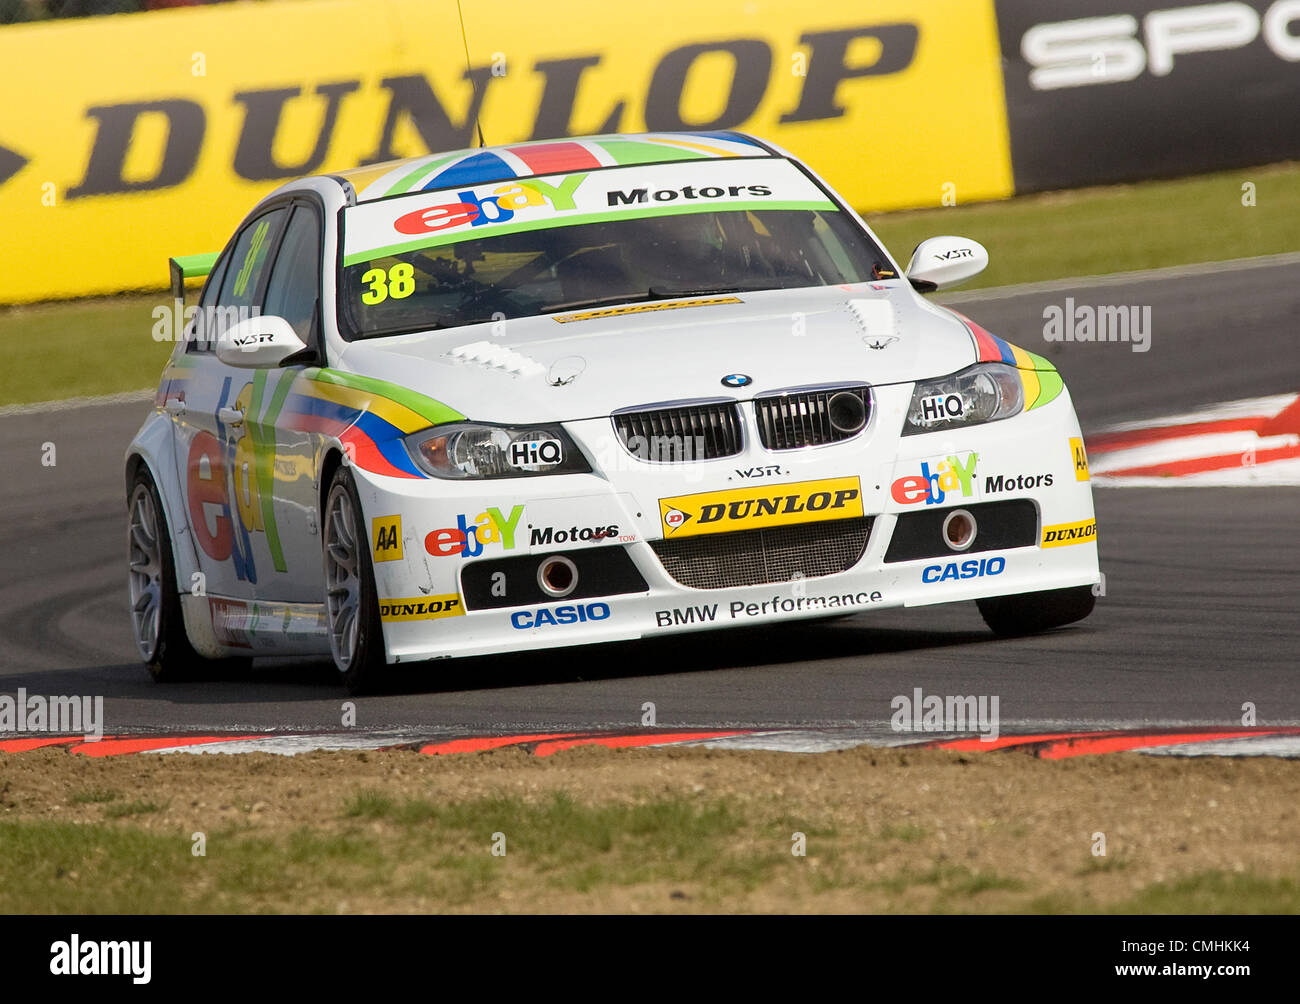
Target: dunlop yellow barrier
point(130, 138)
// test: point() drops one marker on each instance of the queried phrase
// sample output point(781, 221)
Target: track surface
point(1198, 616)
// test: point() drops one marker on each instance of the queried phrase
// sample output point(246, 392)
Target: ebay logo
point(497, 207)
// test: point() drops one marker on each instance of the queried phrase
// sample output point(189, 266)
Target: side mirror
point(941, 262)
point(260, 342)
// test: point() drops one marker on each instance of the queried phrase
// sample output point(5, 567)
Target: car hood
point(586, 364)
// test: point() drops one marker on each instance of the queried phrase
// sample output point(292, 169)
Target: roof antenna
point(469, 73)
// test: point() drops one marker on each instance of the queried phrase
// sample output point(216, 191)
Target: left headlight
point(473, 450)
point(984, 392)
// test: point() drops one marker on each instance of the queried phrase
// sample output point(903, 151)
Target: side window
point(294, 286)
point(203, 333)
point(244, 271)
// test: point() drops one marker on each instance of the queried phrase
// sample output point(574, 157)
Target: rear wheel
point(157, 622)
point(1029, 613)
point(351, 604)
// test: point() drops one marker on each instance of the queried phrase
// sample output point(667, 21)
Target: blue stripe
point(377, 428)
point(395, 453)
point(1007, 355)
point(476, 170)
point(305, 404)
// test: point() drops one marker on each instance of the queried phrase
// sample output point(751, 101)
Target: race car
point(586, 390)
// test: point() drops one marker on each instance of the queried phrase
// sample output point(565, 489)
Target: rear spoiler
point(192, 266)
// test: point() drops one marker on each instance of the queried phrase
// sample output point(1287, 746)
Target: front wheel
point(351, 605)
point(1029, 613)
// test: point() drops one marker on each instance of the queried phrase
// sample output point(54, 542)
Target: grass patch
point(1216, 892)
point(138, 808)
point(79, 349)
point(1115, 229)
point(105, 346)
point(92, 796)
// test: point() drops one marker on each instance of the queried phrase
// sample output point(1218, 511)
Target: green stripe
point(408, 181)
point(571, 221)
point(263, 432)
point(1039, 362)
point(426, 407)
point(1050, 386)
point(626, 151)
point(193, 266)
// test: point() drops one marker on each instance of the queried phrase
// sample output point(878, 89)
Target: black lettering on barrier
point(663, 107)
point(186, 124)
point(254, 158)
point(413, 97)
point(827, 69)
point(560, 92)
point(11, 162)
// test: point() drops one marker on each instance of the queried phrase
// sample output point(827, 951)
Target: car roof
point(483, 165)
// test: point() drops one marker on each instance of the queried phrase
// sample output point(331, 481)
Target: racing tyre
point(1029, 613)
point(351, 605)
point(156, 618)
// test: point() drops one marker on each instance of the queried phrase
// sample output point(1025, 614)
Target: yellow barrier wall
point(130, 138)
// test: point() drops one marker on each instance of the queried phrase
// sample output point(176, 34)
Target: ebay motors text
point(577, 613)
point(952, 476)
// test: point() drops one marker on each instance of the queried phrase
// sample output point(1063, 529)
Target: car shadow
point(299, 679)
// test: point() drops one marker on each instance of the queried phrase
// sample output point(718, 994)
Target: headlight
point(471, 450)
point(984, 392)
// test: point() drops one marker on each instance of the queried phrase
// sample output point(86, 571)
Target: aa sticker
point(387, 533)
point(1080, 456)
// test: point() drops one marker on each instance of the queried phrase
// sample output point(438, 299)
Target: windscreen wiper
point(659, 293)
point(599, 301)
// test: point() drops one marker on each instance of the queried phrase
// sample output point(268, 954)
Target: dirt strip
point(668, 830)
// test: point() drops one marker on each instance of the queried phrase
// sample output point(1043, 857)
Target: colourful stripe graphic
point(368, 416)
point(524, 160)
point(1041, 381)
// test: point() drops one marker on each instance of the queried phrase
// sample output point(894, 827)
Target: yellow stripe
point(716, 151)
point(1028, 376)
point(390, 411)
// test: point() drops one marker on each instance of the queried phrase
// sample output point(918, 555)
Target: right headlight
point(476, 451)
point(981, 393)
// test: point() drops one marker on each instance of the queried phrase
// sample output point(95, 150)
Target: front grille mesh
point(756, 557)
point(671, 435)
point(802, 418)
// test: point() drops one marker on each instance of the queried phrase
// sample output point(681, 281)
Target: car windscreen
point(541, 245)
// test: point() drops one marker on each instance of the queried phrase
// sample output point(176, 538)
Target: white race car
point(583, 391)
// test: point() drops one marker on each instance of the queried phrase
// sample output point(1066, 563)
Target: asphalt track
point(1199, 614)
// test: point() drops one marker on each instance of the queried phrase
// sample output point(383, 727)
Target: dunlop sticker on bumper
point(1063, 534)
point(753, 508)
point(420, 608)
